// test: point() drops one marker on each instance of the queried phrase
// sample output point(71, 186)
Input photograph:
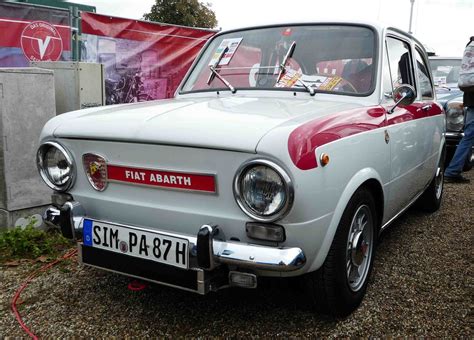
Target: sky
point(442, 25)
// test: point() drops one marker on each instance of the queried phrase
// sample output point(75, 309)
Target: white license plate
point(157, 247)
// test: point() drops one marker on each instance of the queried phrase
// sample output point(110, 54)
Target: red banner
point(161, 178)
point(143, 60)
point(30, 33)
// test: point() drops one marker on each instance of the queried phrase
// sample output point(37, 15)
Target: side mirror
point(403, 95)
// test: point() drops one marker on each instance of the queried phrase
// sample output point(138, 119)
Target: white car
point(285, 152)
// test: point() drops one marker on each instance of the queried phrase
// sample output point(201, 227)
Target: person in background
point(453, 173)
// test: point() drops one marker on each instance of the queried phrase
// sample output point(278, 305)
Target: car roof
point(376, 25)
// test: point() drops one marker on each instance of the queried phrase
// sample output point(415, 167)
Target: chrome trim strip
point(289, 191)
point(69, 159)
point(387, 224)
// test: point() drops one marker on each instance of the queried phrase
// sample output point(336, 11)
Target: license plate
point(138, 243)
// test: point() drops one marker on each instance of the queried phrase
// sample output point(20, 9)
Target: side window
point(423, 76)
point(400, 62)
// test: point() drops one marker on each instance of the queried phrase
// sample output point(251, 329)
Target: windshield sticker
point(323, 83)
point(330, 83)
point(289, 79)
point(231, 46)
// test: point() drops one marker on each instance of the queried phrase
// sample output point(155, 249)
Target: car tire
point(430, 200)
point(339, 286)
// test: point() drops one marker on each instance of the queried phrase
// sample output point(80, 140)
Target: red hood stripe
point(306, 138)
point(303, 141)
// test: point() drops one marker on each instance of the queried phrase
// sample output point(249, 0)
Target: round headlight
point(454, 116)
point(55, 166)
point(263, 190)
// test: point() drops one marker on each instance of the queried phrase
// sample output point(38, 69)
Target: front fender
point(354, 183)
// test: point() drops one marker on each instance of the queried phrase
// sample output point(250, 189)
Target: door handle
point(427, 107)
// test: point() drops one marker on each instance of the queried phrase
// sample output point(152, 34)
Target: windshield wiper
point(288, 55)
point(306, 86)
point(214, 72)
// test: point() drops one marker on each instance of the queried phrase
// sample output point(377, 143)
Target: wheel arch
point(367, 177)
point(375, 187)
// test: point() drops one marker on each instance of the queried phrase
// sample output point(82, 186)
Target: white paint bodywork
point(217, 133)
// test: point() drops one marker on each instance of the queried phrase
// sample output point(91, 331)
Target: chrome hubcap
point(359, 248)
point(439, 182)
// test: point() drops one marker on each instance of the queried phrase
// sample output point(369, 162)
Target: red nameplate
point(161, 178)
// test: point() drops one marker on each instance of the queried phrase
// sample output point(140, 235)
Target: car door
point(407, 152)
point(429, 128)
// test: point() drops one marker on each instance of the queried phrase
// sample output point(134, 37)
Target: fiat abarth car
point(285, 152)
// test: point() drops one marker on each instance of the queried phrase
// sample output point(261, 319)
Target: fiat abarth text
point(286, 151)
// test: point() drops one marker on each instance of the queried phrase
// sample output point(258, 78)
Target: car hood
point(235, 123)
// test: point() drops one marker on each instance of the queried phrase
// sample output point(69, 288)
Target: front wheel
point(339, 286)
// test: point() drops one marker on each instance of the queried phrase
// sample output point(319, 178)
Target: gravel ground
point(422, 285)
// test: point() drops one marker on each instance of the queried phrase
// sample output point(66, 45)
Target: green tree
point(191, 13)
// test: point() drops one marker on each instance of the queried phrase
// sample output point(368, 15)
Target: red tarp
point(143, 60)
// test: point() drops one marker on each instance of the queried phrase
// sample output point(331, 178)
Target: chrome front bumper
point(205, 251)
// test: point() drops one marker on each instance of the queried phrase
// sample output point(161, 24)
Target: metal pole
point(411, 16)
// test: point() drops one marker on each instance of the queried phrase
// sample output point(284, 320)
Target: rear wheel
point(339, 286)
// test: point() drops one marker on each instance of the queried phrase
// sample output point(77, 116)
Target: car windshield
point(445, 71)
point(317, 58)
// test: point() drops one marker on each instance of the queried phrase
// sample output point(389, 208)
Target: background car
point(445, 75)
